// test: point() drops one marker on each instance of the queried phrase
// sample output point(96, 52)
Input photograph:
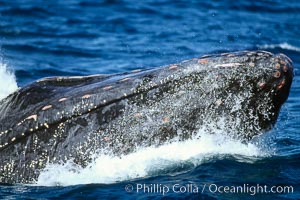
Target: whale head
point(278, 83)
point(250, 88)
point(61, 118)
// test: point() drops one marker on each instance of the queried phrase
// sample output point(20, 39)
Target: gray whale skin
point(57, 119)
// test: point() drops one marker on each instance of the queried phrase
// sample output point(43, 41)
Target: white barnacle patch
point(228, 65)
point(86, 96)
point(205, 56)
point(230, 55)
point(260, 54)
point(173, 67)
point(136, 70)
point(125, 79)
point(202, 61)
point(62, 99)
point(185, 61)
point(47, 107)
point(107, 87)
point(34, 117)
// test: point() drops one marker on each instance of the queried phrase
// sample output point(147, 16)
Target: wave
point(148, 162)
point(8, 82)
point(284, 45)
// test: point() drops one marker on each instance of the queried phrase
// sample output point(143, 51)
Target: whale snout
point(283, 75)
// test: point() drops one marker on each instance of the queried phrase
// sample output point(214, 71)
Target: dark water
point(76, 37)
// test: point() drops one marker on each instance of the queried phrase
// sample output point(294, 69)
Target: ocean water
point(81, 37)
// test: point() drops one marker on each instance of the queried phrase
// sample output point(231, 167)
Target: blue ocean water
point(81, 37)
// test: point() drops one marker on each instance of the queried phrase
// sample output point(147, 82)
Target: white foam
point(8, 82)
point(145, 161)
point(284, 45)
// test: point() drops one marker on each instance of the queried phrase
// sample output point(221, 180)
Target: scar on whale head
point(57, 119)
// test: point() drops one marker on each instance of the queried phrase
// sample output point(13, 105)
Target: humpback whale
point(57, 119)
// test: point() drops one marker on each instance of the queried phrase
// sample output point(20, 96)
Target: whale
point(57, 119)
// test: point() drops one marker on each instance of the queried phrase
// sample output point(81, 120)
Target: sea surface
point(40, 38)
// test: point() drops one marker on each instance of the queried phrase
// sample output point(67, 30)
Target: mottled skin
point(62, 118)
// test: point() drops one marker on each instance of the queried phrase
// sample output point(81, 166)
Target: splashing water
point(8, 82)
point(283, 45)
point(147, 161)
